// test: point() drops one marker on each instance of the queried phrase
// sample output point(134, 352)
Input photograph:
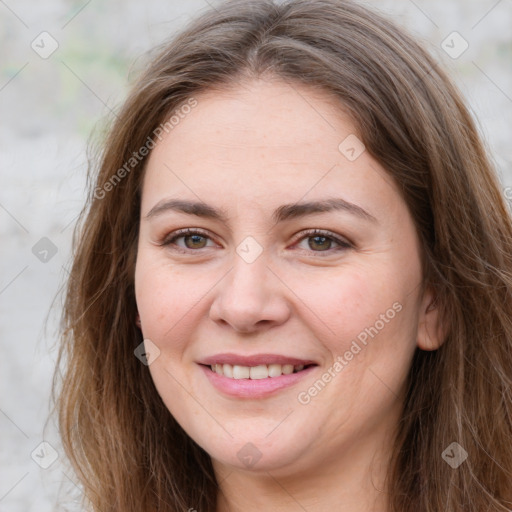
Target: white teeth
point(287, 369)
point(261, 371)
point(274, 370)
point(241, 372)
point(227, 370)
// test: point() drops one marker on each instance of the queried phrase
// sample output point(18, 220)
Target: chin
point(256, 452)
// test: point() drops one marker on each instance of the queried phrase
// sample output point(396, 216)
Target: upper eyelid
point(179, 233)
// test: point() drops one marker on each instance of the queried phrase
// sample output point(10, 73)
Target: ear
point(431, 332)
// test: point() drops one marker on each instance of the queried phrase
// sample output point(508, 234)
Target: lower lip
point(253, 388)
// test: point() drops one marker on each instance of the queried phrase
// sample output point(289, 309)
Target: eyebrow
point(280, 214)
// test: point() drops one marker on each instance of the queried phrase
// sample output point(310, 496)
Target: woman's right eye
point(196, 239)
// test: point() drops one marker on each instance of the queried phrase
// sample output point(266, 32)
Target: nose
point(251, 297)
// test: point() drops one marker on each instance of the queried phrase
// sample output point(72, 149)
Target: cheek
point(160, 299)
point(371, 318)
point(169, 301)
point(346, 303)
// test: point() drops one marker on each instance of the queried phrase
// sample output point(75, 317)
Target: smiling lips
point(259, 366)
point(254, 376)
point(261, 371)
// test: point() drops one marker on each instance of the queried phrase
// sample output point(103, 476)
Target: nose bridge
point(249, 276)
point(249, 292)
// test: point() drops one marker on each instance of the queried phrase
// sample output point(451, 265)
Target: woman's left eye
point(319, 240)
point(323, 241)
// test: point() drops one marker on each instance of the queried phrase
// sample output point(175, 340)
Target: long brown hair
point(126, 448)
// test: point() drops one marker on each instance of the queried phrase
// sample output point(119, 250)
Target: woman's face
point(254, 293)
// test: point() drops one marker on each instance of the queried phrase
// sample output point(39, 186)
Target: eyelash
point(310, 233)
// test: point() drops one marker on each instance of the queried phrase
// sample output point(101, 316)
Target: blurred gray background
point(64, 64)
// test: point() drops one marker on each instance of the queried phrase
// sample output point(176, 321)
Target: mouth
point(254, 376)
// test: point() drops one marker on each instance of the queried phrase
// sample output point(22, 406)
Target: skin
point(248, 150)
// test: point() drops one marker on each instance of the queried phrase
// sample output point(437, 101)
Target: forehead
point(261, 139)
point(267, 114)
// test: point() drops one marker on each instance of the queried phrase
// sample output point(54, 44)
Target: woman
point(292, 282)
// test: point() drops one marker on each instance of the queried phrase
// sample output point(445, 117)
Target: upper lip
point(254, 360)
